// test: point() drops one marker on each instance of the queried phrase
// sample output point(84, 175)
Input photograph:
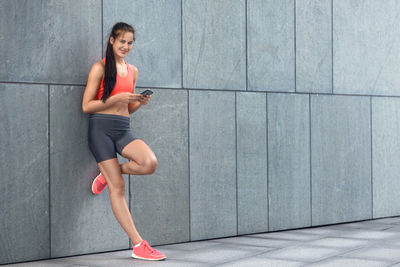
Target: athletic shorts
point(108, 134)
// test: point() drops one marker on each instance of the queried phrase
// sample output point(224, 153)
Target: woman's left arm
point(132, 107)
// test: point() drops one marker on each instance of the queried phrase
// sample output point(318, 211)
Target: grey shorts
point(108, 134)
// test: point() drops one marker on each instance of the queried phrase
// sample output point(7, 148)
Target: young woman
point(109, 99)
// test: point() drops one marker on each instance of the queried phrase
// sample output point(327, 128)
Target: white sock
point(138, 244)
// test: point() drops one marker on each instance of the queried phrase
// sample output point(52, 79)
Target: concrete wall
point(267, 115)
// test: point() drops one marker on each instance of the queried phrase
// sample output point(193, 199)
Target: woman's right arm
point(89, 102)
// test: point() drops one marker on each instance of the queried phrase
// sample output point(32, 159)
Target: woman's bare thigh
point(138, 151)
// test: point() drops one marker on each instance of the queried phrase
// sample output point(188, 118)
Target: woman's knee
point(150, 165)
point(117, 187)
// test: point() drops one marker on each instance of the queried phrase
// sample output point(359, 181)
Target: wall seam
point(372, 167)
point(102, 28)
point(236, 163)
point(182, 43)
point(246, 31)
point(188, 118)
point(42, 83)
point(266, 126)
point(310, 140)
point(129, 201)
point(188, 121)
point(236, 150)
point(273, 92)
point(295, 48)
point(49, 156)
point(332, 43)
point(213, 90)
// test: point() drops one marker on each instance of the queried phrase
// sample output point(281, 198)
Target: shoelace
point(149, 248)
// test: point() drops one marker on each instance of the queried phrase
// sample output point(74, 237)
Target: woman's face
point(123, 44)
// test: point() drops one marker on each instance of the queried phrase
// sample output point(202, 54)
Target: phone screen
point(146, 93)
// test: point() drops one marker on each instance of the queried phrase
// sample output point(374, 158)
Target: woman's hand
point(127, 98)
point(145, 100)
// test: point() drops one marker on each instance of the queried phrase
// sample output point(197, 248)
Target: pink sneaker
point(145, 252)
point(99, 184)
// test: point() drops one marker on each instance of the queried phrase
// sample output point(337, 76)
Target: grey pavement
point(366, 243)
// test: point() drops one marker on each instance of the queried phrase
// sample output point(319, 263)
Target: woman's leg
point(116, 186)
point(142, 159)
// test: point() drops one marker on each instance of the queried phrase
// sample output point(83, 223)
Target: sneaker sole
point(137, 257)
point(93, 185)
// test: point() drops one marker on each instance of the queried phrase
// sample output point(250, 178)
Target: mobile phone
point(146, 93)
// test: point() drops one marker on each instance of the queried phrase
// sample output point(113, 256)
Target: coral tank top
point(123, 84)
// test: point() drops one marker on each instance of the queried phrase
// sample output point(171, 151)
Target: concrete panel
point(386, 152)
point(157, 50)
point(24, 173)
point(252, 183)
point(49, 41)
point(289, 161)
point(77, 216)
point(270, 45)
point(314, 46)
point(341, 159)
point(212, 164)
point(366, 47)
point(160, 202)
point(214, 44)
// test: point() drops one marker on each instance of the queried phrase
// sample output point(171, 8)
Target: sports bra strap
point(128, 68)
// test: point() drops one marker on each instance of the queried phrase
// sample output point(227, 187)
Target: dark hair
point(110, 70)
